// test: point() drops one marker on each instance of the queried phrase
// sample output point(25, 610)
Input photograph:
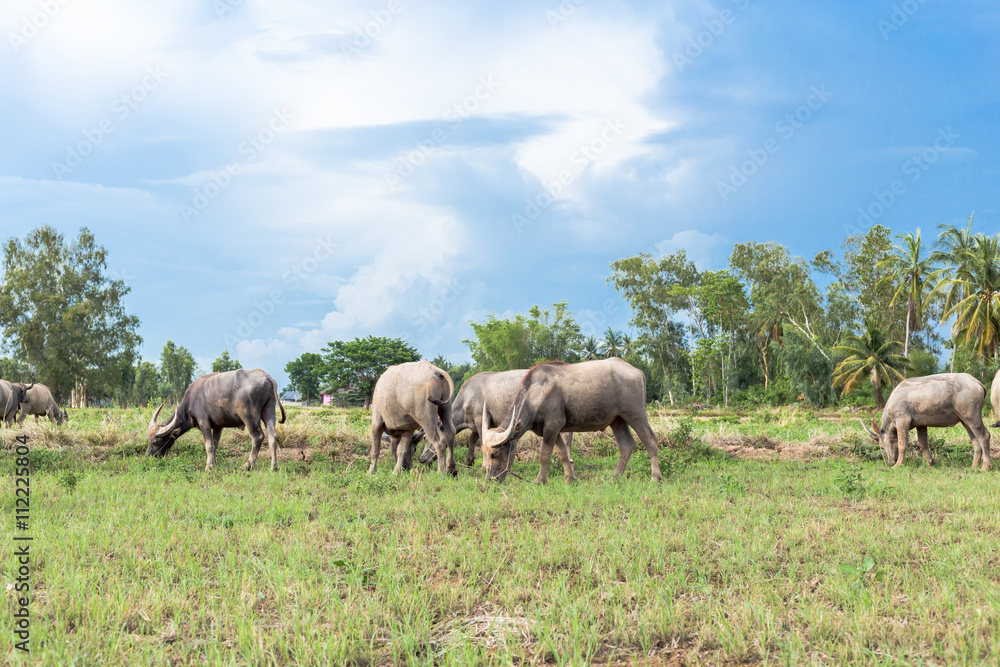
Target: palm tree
point(954, 245)
point(870, 355)
point(612, 343)
point(591, 348)
point(627, 345)
point(910, 272)
point(976, 301)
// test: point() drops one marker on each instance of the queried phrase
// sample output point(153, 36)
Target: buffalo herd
point(413, 402)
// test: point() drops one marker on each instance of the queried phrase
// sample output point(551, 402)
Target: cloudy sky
point(269, 176)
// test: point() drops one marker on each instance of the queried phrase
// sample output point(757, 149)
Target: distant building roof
point(291, 396)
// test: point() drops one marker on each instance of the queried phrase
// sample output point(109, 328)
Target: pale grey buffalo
point(11, 397)
point(411, 396)
point(240, 398)
point(38, 401)
point(496, 391)
point(939, 400)
point(556, 397)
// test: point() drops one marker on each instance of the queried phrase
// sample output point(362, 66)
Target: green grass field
point(802, 548)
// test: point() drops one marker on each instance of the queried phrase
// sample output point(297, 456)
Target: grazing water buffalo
point(495, 391)
point(38, 401)
point(939, 400)
point(556, 397)
point(409, 396)
point(222, 400)
point(11, 397)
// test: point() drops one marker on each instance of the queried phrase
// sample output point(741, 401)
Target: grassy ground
point(801, 548)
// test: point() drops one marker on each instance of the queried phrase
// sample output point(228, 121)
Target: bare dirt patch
point(761, 447)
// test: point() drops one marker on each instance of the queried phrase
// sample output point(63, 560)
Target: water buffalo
point(496, 391)
point(222, 400)
point(38, 401)
point(11, 397)
point(556, 397)
point(939, 400)
point(409, 396)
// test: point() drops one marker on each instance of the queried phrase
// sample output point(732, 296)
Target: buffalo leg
point(258, 439)
point(645, 433)
point(626, 443)
point(270, 426)
point(980, 438)
point(470, 454)
point(545, 456)
point(404, 455)
point(378, 426)
point(902, 437)
point(562, 450)
point(272, 442)
point(444, 443)
point(922, 441)
point(211, 444)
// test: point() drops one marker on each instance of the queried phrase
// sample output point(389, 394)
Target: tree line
point(770, 328)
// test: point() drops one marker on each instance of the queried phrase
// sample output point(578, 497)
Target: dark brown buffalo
point(234, 399)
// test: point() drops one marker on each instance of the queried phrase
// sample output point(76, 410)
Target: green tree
point(724, 305)
point(611, 344)
point(871, 356)
point(359, 363)
point(654, 289)
point(506, 344)
point(867, 275)
point(808, 371)
point(176, 371)
point(953, 247)
point(62, 315)
point(908, 270)
point(147, 379)
point(225, 363)
point(306, 374)
point(977, 287)
point(591, 348)
point(782, 295)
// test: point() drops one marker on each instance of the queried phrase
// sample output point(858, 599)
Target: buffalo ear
point(176, 433)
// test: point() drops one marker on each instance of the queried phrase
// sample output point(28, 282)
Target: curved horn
point(152, 420)
point(494, 438)
point(29, 386)
point(872, 433)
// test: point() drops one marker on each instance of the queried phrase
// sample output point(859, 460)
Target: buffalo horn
point(152, 420)
point(870, 432)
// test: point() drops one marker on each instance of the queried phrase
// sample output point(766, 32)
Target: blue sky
point(270, 176)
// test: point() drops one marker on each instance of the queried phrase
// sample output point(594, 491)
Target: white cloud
point(705, 250)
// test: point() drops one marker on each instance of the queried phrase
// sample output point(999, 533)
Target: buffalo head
point(887, 441)
point(160, 438)
point(20, 391)
point(499, 447)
